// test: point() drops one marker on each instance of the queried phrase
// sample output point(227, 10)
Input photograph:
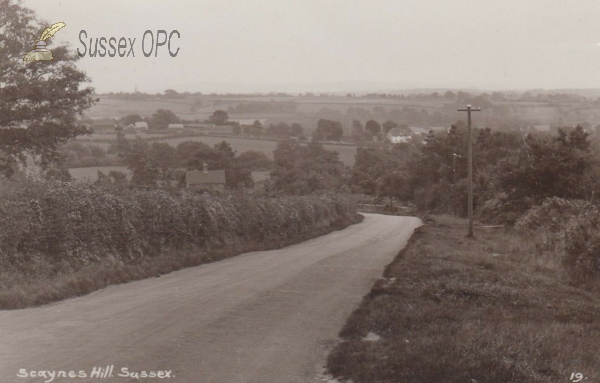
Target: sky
point(337, 45)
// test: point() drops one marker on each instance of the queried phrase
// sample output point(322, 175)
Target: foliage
point(131, 119)
point(264, 107)
point(357, 130)
point(373, 127)
point(372, 165)
point(255, 160)
point(162, 118)
point(303, 169)
point(284, 130)
point(73, 224)
point(546, 167)
point(219, 117)
point(39, 102)
point(328, 130)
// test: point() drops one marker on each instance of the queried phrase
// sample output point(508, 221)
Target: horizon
point(339, 46)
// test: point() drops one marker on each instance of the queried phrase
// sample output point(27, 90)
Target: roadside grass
point(486, 309)
point(43, 284)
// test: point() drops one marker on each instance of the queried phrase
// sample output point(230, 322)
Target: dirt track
point(260, 317)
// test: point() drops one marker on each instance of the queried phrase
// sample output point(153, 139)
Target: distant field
point(243, 145)
point(347, 152)
point(91, 173)
point(115, 108)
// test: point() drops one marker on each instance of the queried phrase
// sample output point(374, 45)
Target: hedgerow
point(71, 225)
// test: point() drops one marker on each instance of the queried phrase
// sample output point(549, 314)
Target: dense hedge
point(81, 224)
point(570, 229)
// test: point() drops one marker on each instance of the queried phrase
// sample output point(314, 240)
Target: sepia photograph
point(299, 191)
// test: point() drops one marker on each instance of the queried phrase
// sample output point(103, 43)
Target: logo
point(40, 52)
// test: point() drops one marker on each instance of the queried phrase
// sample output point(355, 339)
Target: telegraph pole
point(470, 154)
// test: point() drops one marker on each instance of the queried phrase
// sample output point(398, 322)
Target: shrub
point(566, 230)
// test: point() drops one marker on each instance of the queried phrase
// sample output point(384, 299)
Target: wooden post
point(470, 154)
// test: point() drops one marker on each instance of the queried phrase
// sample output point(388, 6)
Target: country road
point(268, 317)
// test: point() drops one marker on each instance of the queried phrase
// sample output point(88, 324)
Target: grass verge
point(28, 291)
point(454, 309)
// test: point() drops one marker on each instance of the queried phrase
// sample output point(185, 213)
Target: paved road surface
point(265, 316)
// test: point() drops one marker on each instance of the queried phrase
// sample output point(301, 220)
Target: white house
point(398, 135)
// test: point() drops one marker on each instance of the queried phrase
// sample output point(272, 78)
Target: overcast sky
point(303, 45)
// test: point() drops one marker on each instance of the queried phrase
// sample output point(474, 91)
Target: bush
point(582, 243)
point(566, 230)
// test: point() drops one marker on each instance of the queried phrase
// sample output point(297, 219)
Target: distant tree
point(225, 148)
point(255, 160)
point(144, 169)
point(296, 130)
point(373, 127)
point(280, 129)
point(170, 93)
point(301, 169)
point(389, 125)
point(357, 130)
point(237, 130)
point(121, 146)
point(219, 117)
point(162, 118)
point(257, 128)
point(391, 185)
point(450, 95)
point(131, 119)
point(328, 130)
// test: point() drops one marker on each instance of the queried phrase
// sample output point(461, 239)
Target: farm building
point(141, 125)
point(400, 134)
point(205, 179)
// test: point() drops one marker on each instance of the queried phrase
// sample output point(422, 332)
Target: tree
point(255, 160)
point(296, 130)
point(162, 118)
point(328, 130)
point(219, 117)
point(389, 125)
point(143, 167)
point(544, 166)
point(45, 97)
point(373, 127)
point(257, 128)
point(392, 186)
point(301, 169)
point(357, 130)
point(131, 119)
